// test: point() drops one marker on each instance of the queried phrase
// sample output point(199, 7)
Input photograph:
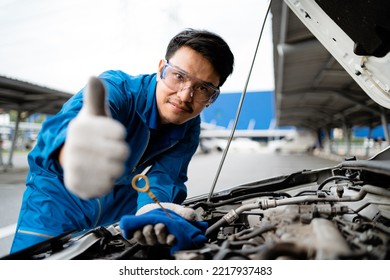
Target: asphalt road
point(240, 166)
point(243, 166)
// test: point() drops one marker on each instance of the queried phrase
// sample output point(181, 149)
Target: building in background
point(258, 111)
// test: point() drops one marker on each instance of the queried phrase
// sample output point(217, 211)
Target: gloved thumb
point(94, 102)
point(95, 150)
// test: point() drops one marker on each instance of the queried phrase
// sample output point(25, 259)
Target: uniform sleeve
point(168, 175)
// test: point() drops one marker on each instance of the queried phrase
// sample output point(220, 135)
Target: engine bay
point(341, 212)
point(335, 213)
point(343, 221)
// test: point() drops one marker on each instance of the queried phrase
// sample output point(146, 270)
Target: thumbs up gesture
point(95, 150)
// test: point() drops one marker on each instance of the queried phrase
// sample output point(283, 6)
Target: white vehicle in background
point(299, 141)
point(240, 144)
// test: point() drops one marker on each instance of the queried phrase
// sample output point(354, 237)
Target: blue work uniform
point(49, 209)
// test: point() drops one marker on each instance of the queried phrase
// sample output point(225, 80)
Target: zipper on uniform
point(159, 152)
point(100, 211)
point(137, 164)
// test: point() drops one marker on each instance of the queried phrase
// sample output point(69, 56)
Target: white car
point(298, 142)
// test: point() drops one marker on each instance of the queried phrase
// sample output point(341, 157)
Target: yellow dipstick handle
point(146, 189)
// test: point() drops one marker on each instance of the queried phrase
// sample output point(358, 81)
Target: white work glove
point(157, 234)
point(95, 150)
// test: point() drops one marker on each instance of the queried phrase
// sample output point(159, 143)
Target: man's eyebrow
point(210, 84)
point(181, 70)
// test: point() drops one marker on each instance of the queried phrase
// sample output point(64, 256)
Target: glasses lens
point(203, 93)
point(176, 79)
point(171, 79)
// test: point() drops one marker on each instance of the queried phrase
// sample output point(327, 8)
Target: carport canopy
point(26, 98)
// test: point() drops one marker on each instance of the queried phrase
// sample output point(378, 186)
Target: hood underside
point(332, 62)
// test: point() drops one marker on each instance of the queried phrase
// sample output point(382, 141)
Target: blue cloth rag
point(189, 234)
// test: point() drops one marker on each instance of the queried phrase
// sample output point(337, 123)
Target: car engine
point(342, 212)
point(343, 221)
point(336, 213)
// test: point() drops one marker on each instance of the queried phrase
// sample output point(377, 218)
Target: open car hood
point(357, 34)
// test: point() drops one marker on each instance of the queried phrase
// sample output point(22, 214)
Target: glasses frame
point(187, 77)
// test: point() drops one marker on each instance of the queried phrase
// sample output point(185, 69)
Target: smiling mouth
point(181, 106)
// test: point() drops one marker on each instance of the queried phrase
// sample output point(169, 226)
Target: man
point(83, 163)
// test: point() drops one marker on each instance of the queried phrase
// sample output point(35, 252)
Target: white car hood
point(359, 40)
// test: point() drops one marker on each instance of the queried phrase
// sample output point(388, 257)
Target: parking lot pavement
point(241, 166)
point(11, 191)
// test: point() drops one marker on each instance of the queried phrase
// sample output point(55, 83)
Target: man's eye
point(202, 89)
point(178, 76)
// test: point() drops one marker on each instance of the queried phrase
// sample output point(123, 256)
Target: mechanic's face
point(194, 73)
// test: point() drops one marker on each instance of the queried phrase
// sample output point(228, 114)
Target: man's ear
point(160, 67)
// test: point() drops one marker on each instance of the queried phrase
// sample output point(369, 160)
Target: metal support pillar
point(14, 138)
point(369, 136)
point(347, 138)
point(385, 126)
point(328, 136)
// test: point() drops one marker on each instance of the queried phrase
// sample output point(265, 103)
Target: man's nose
point(186, 93)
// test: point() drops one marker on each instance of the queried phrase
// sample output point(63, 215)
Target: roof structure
point(30, 98)
point(312, 90)
point(27, 99)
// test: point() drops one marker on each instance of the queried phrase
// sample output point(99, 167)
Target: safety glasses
point(178, 80)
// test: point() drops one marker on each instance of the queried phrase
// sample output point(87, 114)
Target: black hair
point(209, 45)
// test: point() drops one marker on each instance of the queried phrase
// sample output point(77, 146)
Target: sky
point(60, 44)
